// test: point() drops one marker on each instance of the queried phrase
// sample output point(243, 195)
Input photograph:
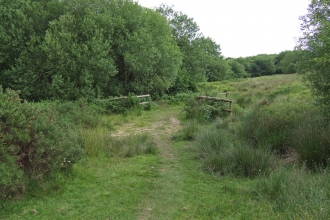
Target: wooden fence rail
point(124, 97)
point(219, 100)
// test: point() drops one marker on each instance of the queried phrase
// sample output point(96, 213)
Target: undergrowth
point(37, 141)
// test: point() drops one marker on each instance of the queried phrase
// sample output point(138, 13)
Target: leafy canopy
point(315, 47)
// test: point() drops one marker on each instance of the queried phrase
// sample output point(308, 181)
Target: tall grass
point(99, 142)
point(312, 141)
point(296, 193)
point(221, 155)
point(272, 123)
point(271, 115)
point(273, 119)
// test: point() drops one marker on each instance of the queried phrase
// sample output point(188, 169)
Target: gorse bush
point(78, 113)
point(33, 145)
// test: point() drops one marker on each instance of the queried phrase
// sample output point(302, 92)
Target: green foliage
point(36, 142)
point(67, 50)
point(255, 66)
point(204, 110)
point(178, 97)
point(237, 68)
point(21, 22)
point(202, 59)
point(78, 114)
point(314, 46)
point(262, 65)
point(146, 54)
point(287, 62)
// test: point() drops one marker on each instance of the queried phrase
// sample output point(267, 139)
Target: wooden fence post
point(218, 99)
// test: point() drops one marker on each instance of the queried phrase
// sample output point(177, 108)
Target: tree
point(262, 65)
point(286, 62)
point(146, 54)
point(315, 48)
point(70, 60)
point(202, 59)
point(237, 68)
point(85, 48)
point(23, 24)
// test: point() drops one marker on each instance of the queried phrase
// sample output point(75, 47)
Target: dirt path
point(162, 128)
point(168, 158)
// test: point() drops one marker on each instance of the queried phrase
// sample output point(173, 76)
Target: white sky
point(244, 27)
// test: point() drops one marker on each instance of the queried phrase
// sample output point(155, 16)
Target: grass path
point(181, 190)
point(169, 185)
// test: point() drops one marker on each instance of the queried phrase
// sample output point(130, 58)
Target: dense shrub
point(32, 144)
point(177, 98)
point(204, 110)
point(69, 113)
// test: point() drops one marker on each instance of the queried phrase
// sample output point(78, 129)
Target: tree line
point(71, 49)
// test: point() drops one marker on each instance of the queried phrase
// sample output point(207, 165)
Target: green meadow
point(182, 160)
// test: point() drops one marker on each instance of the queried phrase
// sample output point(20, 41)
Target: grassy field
point(136, 166)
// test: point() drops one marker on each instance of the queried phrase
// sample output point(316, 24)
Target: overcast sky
point(244, 27)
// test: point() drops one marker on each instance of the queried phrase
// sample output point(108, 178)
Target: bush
point(69, 113)
point(177, 98)
point(33, 145)
point(204, 110)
